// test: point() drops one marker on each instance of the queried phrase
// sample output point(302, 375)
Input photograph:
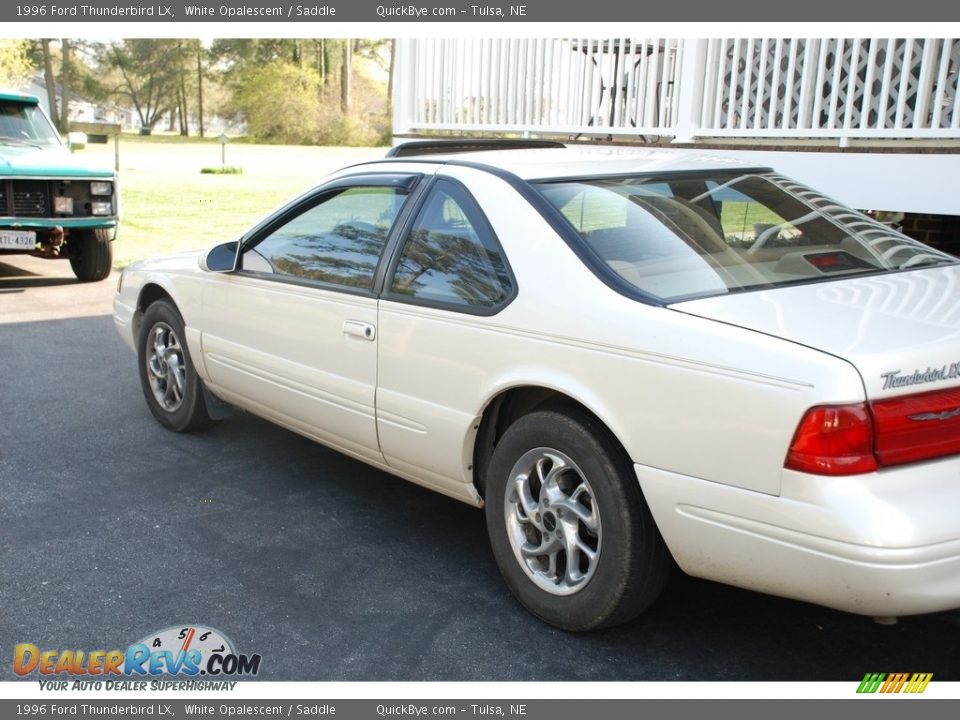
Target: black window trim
point(484, 226)
point(310, 199)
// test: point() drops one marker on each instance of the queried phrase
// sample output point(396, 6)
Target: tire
point(91, 253)
point(173, 391)
point(559, 482)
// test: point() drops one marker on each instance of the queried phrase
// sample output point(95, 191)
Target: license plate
point(17, 240)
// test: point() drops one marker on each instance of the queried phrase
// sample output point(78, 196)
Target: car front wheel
point(171, 386)
point(570, 529)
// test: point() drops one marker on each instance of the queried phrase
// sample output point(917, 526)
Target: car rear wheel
point(570, 529)
point(171, 386)
point(91, 253)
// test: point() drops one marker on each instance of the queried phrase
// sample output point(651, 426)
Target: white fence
point(682, 89)
point(565, 86)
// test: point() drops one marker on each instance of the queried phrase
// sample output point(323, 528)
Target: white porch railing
point(838, 88)
point(563, 86)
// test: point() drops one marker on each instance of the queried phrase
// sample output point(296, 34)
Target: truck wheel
point(91, 253)
point(171, 386)
point(568, 524)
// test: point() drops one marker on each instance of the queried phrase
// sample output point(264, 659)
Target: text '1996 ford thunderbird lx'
point(630, 358)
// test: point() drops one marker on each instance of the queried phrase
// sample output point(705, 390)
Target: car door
point(447, 282)
point(291, 334)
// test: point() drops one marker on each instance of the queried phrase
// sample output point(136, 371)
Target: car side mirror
point(221, 258)
point(76, 140)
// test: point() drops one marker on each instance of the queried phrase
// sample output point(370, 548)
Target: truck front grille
point(31, 198)
point(23, 198)
point(26, 198)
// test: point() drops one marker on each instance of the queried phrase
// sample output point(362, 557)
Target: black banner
point(515, 11)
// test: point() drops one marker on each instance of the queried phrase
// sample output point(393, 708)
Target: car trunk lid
point(900, 330)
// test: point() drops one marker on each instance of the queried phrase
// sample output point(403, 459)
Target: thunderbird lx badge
point(896, 378)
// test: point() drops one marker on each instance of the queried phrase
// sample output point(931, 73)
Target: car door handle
point(359, 329)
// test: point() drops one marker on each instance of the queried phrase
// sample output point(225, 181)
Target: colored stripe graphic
point(894, 682)
point(918, 683)
point(871, 682)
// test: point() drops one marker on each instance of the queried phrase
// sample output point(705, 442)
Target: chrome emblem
point(945, 415)
point(897, 378)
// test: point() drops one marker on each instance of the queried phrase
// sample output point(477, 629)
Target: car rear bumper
point(882, 544)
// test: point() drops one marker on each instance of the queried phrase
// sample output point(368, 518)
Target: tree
point(199, 49)
point(149, 75)
point(68, 71)
point(183, 110)
point(14, 64)
point(281, 103)
point(240, 56)
point(346, 76)
point(50, 80)
point(64, 86)
point(349, 106)
point(391, 73)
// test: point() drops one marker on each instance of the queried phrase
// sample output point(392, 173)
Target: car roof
point(592, 161)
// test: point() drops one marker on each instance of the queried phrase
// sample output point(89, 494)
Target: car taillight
point(834, 440)
point(856, 438)
point(917, 427)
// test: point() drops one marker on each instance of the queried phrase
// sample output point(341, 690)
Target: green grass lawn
point(167, 205)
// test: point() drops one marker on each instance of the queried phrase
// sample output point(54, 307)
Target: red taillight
point(834, 440)
point(917, 427)
point(852, 439)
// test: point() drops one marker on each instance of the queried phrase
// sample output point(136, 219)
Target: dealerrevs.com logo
point(895, 683)
point(181, 650)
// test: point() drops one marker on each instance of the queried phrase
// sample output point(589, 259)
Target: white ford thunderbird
point(630, 358)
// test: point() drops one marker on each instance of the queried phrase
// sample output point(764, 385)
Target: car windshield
point(692, 236)
point(24, 124)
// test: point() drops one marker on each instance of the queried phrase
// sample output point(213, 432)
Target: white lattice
point(849, 85)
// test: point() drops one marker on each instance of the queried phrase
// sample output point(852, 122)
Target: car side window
point(338, 240)
point(451, 256)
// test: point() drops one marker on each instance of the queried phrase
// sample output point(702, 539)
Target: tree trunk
point(51, 82)
point(65, 85)
point(199, 88)
point(326, 63)
point(345, 76)
point(184, 113)
point(393, 68)
point(182, 100)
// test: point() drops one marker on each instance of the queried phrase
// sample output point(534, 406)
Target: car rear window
point(700, 235)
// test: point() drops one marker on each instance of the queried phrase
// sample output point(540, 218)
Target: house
point(82, 109)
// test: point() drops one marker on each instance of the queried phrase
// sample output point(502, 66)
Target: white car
point(630, 358)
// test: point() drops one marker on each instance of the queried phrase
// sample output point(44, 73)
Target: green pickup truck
point(52, 204)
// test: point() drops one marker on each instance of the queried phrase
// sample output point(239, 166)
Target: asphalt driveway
point(112, 528)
